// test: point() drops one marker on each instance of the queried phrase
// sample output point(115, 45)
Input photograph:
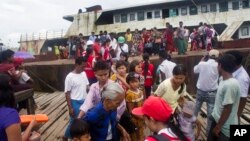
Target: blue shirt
point(8, 116)
point(99, 119)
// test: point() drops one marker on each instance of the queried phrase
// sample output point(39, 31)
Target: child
point(124, 57)
point(147, 72)
point(113, 66)
point(135, 66)
point(120, 76)
point(79, 130)
point(134, 98)
point(188, 121)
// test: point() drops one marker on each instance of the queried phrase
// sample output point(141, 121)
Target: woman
point(102, 118)
point(10, 129)
point(158, 117)
point(173, 89)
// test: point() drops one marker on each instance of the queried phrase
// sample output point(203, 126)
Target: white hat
point(214, 53)
point(89, 42)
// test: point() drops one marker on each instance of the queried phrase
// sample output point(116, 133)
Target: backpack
point(160, 137)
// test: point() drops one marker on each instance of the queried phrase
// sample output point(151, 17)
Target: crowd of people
point(116, 99)
point(150, 41)
point(110, 98)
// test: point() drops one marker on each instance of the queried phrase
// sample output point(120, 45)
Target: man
point(207, 84)
point(122, 47)
point(102, 118)
point(76, 84)
point(166, 67)
point(92, 37)
point(243, 78)
point(181, 42)
point(226, 102)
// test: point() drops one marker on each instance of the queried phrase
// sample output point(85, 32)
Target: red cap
point(155, 107)
point(18, 61)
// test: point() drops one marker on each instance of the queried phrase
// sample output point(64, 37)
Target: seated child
point(188, 121)
point(79, 130)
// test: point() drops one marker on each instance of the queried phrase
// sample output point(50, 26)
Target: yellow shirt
point(128, 37)
point(135, 97)
point(165, 90)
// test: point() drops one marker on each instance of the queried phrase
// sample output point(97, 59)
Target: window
point(245, 3)
point(140, 16)
point(132, 17)
point(193, 10)
point(173, 12)
point(157, 14)
point(223, 6)
point(183, 11)
point(235, 5)
point(117, 18)
point(244, 31)
point(124, 18)
point(149, 15)
point(204, 9)
point(213, 7)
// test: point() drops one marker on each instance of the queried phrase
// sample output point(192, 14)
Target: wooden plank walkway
point(54, 105)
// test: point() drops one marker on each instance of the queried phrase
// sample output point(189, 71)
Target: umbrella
point(23, 55)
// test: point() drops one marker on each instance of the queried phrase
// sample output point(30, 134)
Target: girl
point(135, 66)
point(147, 72)
point(173, 89)
point(89, 66)
point(134, 98)
point(158, 117)
point(120, 76)
point(105, 51)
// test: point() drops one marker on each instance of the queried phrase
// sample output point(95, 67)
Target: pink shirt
point(94, 97)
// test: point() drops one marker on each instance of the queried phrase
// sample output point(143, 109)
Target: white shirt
point(208, 75)
point(113, 43)
point(109, 135)
point(124, 48)
point(167, 68)
point(23, 78)
point(243, 78)
point(77, 85)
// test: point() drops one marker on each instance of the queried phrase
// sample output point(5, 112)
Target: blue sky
point(28, 16)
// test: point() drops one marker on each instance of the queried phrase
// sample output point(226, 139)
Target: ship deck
point(55, 106)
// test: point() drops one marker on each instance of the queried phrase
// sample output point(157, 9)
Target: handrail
point(42, 35)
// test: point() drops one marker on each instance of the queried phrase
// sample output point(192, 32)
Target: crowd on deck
point(150, 41)
point(112, 99)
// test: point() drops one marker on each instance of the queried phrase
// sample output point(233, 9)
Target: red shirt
point(89, 69)
point(7, 68)
point(106, 55)
point(97, 50)
point(149, 76)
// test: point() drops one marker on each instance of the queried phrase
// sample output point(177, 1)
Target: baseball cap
point(155, 107)
point(188, 107)
point(214, 53)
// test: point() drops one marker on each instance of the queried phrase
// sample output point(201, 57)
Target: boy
point(76, 84)
point(79, 130)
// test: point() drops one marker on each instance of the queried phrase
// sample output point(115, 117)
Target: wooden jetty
point(55, 106)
